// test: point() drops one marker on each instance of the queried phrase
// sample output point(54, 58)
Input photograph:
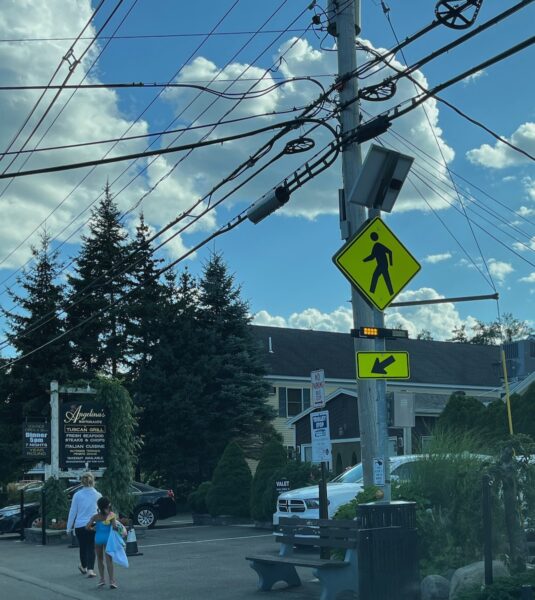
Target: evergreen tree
point(231, 484)
point(463, 414)
point(121, 444)
point(235, 391)
point(170, 390)
point(272, 459)
point(145, 305)
point(24, 384)
point(97, 283)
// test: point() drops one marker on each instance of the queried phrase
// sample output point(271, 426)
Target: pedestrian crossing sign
point(376, 263)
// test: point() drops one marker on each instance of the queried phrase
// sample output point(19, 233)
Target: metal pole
point(487, 528)
point(352, 216)
point(22, 515)
point(324, 510)
point(43, 517)
point(54, 428)
point(407, 440)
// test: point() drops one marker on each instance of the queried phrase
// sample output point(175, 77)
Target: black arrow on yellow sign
point(379, 366)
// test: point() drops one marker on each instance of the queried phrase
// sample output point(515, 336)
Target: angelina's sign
point(83, 435)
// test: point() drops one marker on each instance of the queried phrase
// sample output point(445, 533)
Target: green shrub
point(272, 459)
point(230, 492)
point(507, 588)
point(197, 499)
point(57, 503)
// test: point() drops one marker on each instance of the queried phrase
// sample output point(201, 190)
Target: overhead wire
point(437, 143)
point(225, 15)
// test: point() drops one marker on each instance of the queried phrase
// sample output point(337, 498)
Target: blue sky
point(284, 264)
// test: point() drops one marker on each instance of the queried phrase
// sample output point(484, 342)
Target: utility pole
point(352, 216)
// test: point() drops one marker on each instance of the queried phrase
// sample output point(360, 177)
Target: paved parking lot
point(179, 561)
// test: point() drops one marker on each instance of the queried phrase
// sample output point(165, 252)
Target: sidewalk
point(186, 562)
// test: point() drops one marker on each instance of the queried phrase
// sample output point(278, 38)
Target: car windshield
point(353, 475)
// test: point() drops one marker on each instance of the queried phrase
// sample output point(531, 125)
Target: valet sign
point(83, 436)
point(320, 436)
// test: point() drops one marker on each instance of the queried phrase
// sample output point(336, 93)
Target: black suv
point(151, 504)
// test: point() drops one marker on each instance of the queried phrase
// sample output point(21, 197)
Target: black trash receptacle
point(388, 557)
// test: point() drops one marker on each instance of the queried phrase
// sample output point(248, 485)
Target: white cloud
point(500, 155)
point(300, 59)
point(524, 211)
point(439, 319)
point(529, 279)
point(436, 258)
point(474, 77)
point(524, 246)
point(499, 269)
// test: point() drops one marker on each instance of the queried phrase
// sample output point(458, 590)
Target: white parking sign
point(320, 436)
point(318, 388)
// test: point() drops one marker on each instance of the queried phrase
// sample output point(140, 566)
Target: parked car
point(151, 504)
point(303, 503)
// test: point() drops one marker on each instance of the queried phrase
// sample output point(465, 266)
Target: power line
point(232, 6)
point(166, 131)
point(157, 36)
point(72, 68)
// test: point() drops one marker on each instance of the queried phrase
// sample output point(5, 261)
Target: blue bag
point(116, 549)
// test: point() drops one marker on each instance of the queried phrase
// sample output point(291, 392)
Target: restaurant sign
point(83, 436)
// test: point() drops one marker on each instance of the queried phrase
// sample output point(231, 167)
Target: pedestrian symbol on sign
point(383, 256)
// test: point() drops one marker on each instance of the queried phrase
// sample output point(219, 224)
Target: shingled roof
point(296, 352)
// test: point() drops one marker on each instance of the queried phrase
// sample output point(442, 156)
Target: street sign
point(318, 388)
point(379, 472)
point(383, 365)
point(36, 440)
point(320, 437)
point(376, 263)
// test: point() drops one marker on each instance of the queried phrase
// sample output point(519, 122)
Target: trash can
point(387, 552)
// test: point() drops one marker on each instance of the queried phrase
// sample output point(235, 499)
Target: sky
point(467, 212)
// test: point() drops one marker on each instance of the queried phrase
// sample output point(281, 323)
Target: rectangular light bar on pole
point(380, 332)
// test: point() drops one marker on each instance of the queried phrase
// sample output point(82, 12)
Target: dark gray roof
point(296, 352)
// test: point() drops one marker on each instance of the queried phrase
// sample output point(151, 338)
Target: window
point(404, 472)
point(292, 401)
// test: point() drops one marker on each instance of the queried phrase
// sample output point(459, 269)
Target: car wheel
point(145, 517)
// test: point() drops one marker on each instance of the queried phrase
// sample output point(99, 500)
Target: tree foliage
point(272, 459)
point(99, 342)
point(231, 484)
point(121, 424)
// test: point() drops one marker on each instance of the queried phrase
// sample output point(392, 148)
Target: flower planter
point(34, 535)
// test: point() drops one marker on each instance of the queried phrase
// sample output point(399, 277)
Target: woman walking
point(83, 507)
point(103, 522)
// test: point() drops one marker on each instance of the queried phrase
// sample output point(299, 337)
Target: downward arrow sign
point(379, 367)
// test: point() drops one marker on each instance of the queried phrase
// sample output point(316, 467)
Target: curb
point(44, 585)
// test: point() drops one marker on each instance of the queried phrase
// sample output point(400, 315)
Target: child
point(102, 523)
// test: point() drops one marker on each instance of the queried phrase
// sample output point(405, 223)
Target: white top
point(83, 507)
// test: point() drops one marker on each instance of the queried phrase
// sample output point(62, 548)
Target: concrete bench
point(335, 576)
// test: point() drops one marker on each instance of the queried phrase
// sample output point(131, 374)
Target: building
point(437, 370)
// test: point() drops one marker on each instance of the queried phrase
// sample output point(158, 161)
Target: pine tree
point(235, 391)
point(231, 484)
point(273, 458)
point(146, 304)
point(99, 344)
point(26, 382)
point(170, 390)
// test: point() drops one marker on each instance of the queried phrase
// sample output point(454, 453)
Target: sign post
point(321, 453)
point(318, 388)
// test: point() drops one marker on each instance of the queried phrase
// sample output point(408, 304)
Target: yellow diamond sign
point(376, 263)
point(383, 365)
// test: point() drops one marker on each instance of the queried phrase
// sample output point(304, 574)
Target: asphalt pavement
point(179, 561)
